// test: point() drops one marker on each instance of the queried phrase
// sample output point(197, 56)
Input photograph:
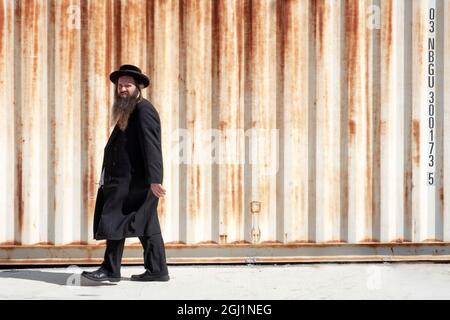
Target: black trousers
point(154, 255)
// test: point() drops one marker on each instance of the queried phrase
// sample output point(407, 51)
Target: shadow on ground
point(59, 278)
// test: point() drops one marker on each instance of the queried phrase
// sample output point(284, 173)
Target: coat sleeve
point(150, 143)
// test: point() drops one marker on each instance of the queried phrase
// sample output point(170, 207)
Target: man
point(131, 181)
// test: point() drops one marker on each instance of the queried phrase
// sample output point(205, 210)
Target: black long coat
point(125, 205)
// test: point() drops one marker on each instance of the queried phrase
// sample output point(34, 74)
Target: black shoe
point(100, 275)
point(148, 276)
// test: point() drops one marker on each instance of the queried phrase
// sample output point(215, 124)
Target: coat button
point(114, 163)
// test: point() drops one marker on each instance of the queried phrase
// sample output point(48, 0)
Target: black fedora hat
point(132, 71)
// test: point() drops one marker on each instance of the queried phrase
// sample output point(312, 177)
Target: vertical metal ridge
point(408, 185)
point(7, 127)
point(198, 119)
point(295, 120)
point(163, 60)
point(34, 123)
point(343, 105)
point(51, 90)
point(426, 199)
point(359, 122)
point(18, 167)
point(248, 101)
point(282, 16)
point(440, 90)
point(219, 222)
point(312, 122)
point(328, 152)
point(376, 100)
point(87, 188)
point(263, 134)
point(392, 122)
point(183, 123)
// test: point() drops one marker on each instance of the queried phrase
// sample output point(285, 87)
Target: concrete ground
point(223, 282)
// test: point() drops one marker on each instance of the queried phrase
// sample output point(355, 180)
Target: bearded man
point(131, 181)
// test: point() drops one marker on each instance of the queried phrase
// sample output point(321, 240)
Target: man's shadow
point(63, 279)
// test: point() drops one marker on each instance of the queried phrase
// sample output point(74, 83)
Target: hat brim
point(139, 77)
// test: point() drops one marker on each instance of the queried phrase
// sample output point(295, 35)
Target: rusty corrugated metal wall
point(329, 115)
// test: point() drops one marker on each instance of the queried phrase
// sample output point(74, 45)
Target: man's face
point(126, 86)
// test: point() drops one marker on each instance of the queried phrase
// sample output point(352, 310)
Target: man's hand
point(158, 190)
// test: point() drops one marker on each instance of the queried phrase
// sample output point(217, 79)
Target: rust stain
point(3, 18)
point(390, 18)
point(175, 243)
point(283, 18)
point(334, 241)
point(19, 189)
point(352, 26)
point(319, 11)
point(9, 243)
point(368, 240)
point(109, 42)
point(441, 196)
point(71, 38)
point(416, 141)
point(240, 19)
point(89, 183)
point(369, 134)
point(207, 242)
point(222, 125)
point(382, 127)
point(248, 46)
point(85, 194)
point(42, 244)
point(352, 127)
point(418, 33)
point(118, 33)
point(223, 238)
point(239, 203)
point(198, 188)
point(292, 245)
point(31, 18)
point(195, 10)
point(234, 211)
point(257, 35)
point(301, 241)
point(217, 32)
point(77, 243)
point(407, 200)
point(257, 12)
point(240, 242)
point(271, 242)
point(407, 189)
point(369, 188)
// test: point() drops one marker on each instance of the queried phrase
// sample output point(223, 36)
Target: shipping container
point(292, 130)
